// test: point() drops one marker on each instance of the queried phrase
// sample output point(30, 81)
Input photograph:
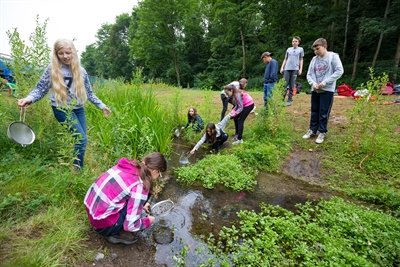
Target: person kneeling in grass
point(115, 201)
point(195, 120)
point(214, 135)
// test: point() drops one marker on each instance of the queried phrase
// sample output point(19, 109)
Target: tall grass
point(41, 198)
point(138, 124)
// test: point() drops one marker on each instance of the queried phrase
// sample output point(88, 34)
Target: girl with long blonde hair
point(70, 89)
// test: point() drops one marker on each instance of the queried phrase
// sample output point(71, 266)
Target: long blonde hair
point(58, 83)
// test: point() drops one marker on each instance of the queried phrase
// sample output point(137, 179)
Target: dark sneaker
point(118, 239)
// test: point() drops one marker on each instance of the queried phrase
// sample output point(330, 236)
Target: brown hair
point(153, 161)
point(232, 88)
point(211, 138)
point(192, 118)
point(297, 38)
point(242, 83)
point(319, 42)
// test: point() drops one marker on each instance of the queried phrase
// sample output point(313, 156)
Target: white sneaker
point(235, 137)
point(237, 142)
point(320, 138)
point(308, 134)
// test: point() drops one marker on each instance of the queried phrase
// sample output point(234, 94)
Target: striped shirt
point(120, 186)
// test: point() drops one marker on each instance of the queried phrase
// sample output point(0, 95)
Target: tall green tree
point(158, 39)
point(103, 51)
point(236, 19)
point(88, 59)
point(119, 59)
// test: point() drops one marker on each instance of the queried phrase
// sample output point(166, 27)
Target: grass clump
point(50, 238)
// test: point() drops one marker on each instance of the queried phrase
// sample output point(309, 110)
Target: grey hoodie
point(330, 70)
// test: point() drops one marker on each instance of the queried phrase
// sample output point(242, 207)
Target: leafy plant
point(328, 233)
point(213, 170)
point(29, 61)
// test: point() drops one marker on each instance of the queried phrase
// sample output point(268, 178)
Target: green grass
point(41, 198)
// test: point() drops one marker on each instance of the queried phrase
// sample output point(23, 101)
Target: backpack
point(387, 89)
point(396, 89)
point(345, 90)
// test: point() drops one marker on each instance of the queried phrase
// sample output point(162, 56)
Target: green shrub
point(329, 233)
point(213, 170)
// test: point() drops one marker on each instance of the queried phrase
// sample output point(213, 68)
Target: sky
point(80, 19)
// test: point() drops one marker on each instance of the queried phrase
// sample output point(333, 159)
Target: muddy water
point(199, 211)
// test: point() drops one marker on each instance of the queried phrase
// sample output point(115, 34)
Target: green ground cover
point(44, 222)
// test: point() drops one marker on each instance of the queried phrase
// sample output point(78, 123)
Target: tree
point(378, 47)
point(103, 51)
point(88, 59)
point(119, 59)
point(158, 39)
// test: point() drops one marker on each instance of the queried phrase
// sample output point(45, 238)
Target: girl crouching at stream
point(117, 198)
point(195, 120)
point(214, 135)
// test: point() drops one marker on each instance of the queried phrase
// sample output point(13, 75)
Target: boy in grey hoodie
point(324, 70)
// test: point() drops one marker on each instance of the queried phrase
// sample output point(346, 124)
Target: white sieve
point(162, 208)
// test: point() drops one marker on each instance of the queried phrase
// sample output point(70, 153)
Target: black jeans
point(220, 140)
point(117, 227)
point(239, 120)
point(225, 101)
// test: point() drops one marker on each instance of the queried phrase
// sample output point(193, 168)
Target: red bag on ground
point(345, 90)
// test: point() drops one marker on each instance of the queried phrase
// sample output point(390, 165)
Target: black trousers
point(239, 120)
point(220, 140)
point(225, 100)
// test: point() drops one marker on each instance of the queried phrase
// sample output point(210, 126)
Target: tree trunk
point(331, 46)
point(359, 39)
point(244, 55)
point(396, 60)
point(332, 36)
point(380, 37)
point(175, 54)
point(346, 29)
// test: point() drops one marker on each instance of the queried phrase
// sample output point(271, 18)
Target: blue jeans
point(321, 105)
point(267, 92)
point(77, 125)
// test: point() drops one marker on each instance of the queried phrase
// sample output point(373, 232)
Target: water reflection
point(199, 211)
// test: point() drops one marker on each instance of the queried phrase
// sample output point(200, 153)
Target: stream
point(199, 211)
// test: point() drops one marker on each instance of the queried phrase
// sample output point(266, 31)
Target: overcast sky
point(70, 19)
